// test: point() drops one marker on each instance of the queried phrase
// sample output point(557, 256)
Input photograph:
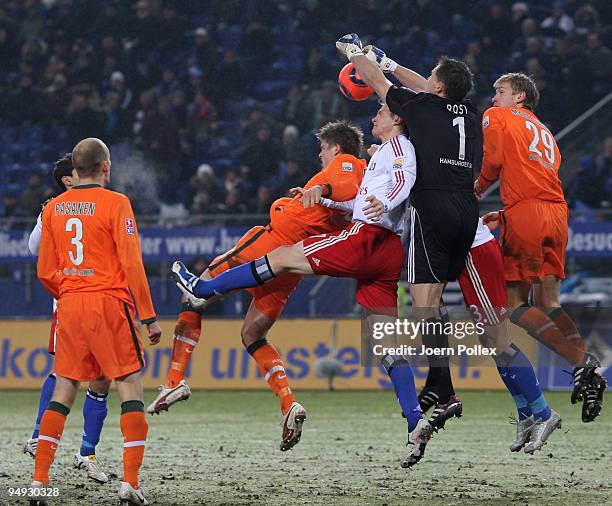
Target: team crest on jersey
point(129, 226)
point(398, 163)
point(347, 167)
point(485, 123)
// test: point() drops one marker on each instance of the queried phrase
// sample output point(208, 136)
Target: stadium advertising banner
point(586, 239)
point(220, 361)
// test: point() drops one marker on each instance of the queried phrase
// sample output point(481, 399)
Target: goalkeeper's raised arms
point(349, 45)
point(379, 57)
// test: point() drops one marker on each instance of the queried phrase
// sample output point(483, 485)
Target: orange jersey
point(90, 244)
point(523, 153)
point(341, 179)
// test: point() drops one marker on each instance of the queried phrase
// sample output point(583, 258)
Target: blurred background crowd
point(210, 106)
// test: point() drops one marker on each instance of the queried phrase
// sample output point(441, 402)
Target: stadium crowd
point(222, 97)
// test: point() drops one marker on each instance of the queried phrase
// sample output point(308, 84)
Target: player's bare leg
point(426, 302)
point(134, 428)
point(253, 333)
point(94, 413)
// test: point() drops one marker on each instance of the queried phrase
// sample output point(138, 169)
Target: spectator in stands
point(598, 59)
point(203, 205)
point(293, 149)
point(33, 196)
point(497, 30)
point(261, 155)
point(586, 20)
point(264, 200)
point(118, 85)
point(257, 43)
point(232, 204)
point(520, 12)
point(114, 122)
point(231, 78)
point(294, 109)
point(24, 102)
point(326, 104)
point(204, 52)
point(160, 134)
point(10, 210)
point(558, 23)
point(204, 180)
point(316, 70)
point(293, 178)
point(233, 181)
point(82, 120)
point(201, 116)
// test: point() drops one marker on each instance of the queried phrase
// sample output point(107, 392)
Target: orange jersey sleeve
point(90, 241)
point(340, 179)
point(523, 153)
point(47, 267)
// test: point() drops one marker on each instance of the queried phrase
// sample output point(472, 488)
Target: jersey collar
point(84, 186)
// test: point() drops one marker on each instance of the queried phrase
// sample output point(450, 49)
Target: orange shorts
point(270, 299)
point(96, 336)
point(534, 239)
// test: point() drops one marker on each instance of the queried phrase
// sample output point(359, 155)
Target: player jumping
point(521, 151)
point(369, 250)
point(291, 220)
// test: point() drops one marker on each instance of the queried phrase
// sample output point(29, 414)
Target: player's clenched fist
point(154, 332)
point(379, 57)
point(349, 45)
point(491, 220)
point(310, 197)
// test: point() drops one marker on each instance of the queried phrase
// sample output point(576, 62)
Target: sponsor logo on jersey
point(372, 166)
point(485, 122)
point(347, 167)
point(129, 226)
point(316, 261)
point(398, 163)
point(363, 191)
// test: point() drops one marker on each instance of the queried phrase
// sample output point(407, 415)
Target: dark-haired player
point(447, 136)
point(95, 404)
point(291, 221)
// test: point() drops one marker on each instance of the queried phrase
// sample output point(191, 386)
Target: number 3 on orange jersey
point(77, 225)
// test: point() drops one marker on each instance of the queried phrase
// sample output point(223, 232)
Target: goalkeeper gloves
point(349, 45)
point(379, 57)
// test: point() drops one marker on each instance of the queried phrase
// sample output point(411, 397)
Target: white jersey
point(389, 177)
point(34, 244)
point(35, 236)
point(483, 234)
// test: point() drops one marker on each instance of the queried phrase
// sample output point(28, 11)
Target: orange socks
point(134, 428)
point(271, 366)
point(51, 429)
point(566, 325)
point(546, 330)
point(186, 337)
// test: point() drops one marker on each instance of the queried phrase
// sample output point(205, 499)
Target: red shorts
point(53, 334)
point(372, 255)
point(483, 285)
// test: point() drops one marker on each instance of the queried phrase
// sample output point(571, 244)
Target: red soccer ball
point(351, 84)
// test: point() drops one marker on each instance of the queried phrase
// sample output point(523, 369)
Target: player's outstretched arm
point(351, 47)
point(48, 265)
point(407, 77)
